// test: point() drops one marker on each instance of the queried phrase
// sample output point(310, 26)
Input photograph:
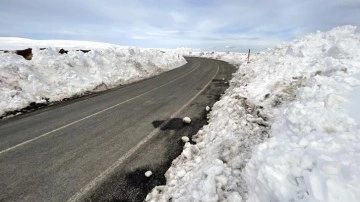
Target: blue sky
point(234, 25)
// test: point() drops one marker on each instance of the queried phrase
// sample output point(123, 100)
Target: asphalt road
point(63, 152)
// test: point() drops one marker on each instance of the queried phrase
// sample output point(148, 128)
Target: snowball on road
point(285, 130)
point(185, 139)
point(148, 173)
point(186, 120)
point(57, 76)
point(207, 108)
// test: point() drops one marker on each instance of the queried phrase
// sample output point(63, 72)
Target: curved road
point(62, 152)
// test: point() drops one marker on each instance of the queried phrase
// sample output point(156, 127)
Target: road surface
point(63, 152)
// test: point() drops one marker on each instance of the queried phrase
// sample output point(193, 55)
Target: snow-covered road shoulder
point(281, 132)
point(52, 76)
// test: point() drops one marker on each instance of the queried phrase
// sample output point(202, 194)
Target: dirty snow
point(283, 131)
point(50, 75)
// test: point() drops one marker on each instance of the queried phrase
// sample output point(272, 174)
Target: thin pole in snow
point(248, 57)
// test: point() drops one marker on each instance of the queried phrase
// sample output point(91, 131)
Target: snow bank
point(314, 152)
point(235, 58)
point(56, 76)
point(15, 43)
point(281, 132)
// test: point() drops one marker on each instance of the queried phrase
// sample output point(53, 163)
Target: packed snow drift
point(14, 43)
point(283, 131)
point(235, 58)
point(52, 76)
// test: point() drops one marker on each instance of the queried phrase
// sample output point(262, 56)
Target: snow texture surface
point(54, 76)
point(283, 131)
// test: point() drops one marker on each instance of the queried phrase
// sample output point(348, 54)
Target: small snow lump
point(148, 173)
point(186, 120)
point(207, 108)
point(185, 139)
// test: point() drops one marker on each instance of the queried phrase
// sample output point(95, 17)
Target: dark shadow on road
point(172, 124)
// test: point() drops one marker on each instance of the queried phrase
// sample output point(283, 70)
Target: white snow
point(185, 139)
point(186, 120)
point(285, 130)
point(235, 58)
point(207, 108)
point(353, 99)
point(148, 173)
point(52, 75)
point(14, 43)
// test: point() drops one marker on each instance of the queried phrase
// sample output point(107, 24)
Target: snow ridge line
point(103, 175)
point(92, 115)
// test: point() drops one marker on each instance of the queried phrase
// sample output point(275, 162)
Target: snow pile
point(314, 154)
point(281, 132)
point(14, 43)
point(54, 76)
point(235, 58)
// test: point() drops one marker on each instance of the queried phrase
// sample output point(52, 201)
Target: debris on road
point(148, 173)
point(207, 108)
point(185, 139)
point(187, 120)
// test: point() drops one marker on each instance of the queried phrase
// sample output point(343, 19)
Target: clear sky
point(234, 25)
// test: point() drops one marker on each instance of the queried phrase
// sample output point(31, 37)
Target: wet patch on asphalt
point(172, 124)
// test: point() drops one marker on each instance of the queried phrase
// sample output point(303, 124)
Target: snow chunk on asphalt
point(185, 139)
point(186, 120)
point(148, 173)
point(207, 108)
